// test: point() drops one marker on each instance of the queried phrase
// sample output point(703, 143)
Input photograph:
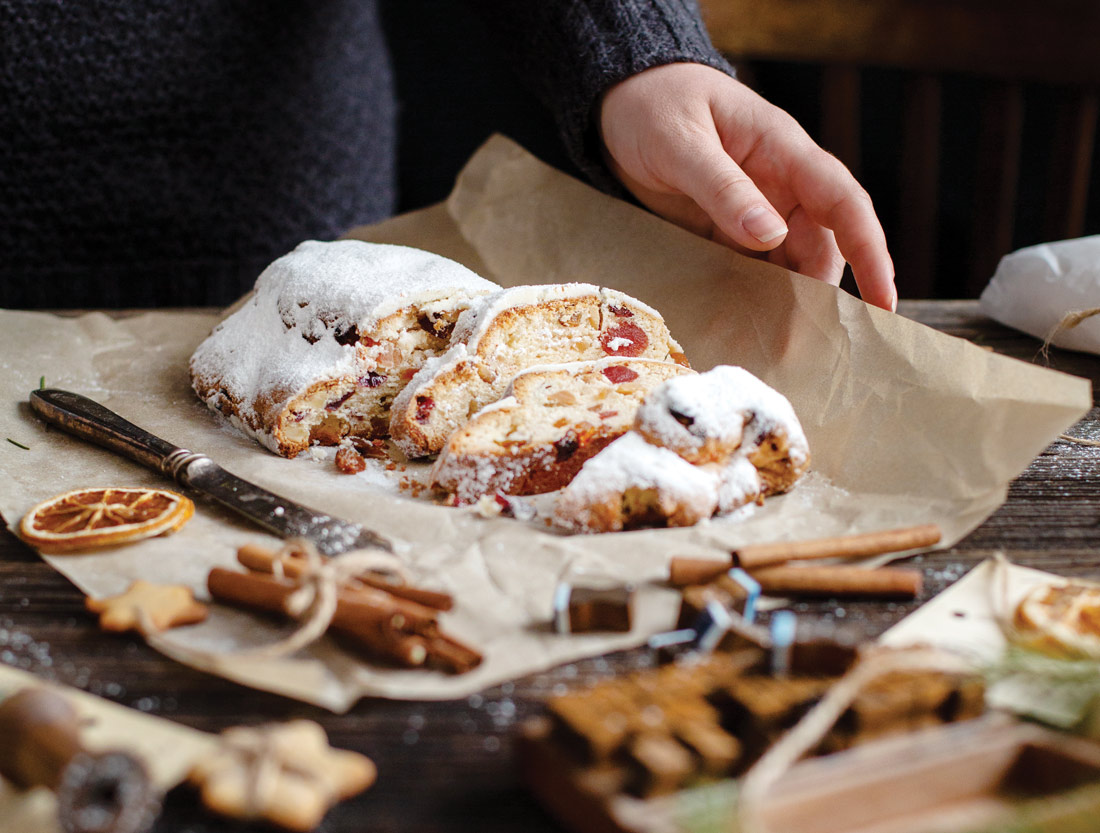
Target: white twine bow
point(313, 604)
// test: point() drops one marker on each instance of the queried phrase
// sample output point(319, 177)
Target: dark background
point(456, 90)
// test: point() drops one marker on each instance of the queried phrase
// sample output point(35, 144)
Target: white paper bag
point(1035, 288)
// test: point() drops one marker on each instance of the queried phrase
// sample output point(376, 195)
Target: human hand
point(701, 149)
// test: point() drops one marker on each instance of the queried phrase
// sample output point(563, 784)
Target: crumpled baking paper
point(966, 619)
point(906, 426)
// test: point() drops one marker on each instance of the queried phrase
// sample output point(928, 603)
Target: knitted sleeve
point(568, 52)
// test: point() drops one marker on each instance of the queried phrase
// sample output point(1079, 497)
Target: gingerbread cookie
point(148, 608)
point(286, 774)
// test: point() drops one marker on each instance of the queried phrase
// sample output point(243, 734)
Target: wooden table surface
point(447, 766)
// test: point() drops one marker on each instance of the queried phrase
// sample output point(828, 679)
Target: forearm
point(569, 52)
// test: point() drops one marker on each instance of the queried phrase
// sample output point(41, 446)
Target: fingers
point(703, 171)
point(812, 249)
point(834, 200)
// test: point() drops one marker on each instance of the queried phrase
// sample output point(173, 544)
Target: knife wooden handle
point(90, 421)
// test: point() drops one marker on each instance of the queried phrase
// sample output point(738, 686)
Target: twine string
point(1070, 320)
point(313, 602)
point(264, 759)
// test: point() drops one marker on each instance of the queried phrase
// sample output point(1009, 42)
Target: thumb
point(707, 174)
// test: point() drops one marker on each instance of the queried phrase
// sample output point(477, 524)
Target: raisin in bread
point(726, 412)
point(329, 337)
point(633, 484)
point(552, 419)
point(503, 334)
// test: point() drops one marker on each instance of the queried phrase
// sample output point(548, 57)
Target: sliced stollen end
point(633, 484)
point(727, 411)
point(739, 484)
point(331, 334)
point(511, 331)
point(552, 419)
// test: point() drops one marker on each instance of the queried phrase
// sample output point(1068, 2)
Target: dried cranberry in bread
point(709, 417)
point(331, 334)
point(553, 418)
point(503, 334)
point(632, 484)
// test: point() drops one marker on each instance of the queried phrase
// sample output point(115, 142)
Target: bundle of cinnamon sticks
point(781, 570)
point(388, 621)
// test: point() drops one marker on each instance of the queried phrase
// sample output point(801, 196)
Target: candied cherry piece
point(621, 312)
point(424, 407)
point(618, 374)
point(624, 340)
point(336, 403)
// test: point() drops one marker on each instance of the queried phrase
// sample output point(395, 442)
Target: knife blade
point(91, 421)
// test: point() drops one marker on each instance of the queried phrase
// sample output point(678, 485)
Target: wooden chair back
point(1011, 46)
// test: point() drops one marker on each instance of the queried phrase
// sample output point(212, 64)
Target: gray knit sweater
point(158, 152)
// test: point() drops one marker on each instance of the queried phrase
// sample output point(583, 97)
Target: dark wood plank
point(1071, 164)
point(919, 176)
point(1052, 41)
point(840, 115)
point(448, 766)
point(997, 182)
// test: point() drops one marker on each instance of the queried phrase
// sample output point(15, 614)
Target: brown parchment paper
point(906, 426)
point(167, 749)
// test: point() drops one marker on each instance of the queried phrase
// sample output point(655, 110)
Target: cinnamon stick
point(262, 559)
point(356, 609)
point(753, 556)
point(683, 572)
point(450, 655)
point(394, 630)
point(406, 650)
point(840, 581)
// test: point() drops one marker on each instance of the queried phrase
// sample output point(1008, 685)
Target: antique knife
point(91, 421)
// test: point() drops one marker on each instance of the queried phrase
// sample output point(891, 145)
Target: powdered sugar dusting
point(687, 412)
point(473, 323)
point(632, 463)
point(319, 285)
point(738, 484)
point(287, 336)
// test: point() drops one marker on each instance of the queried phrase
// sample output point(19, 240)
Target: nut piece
point(349, 461)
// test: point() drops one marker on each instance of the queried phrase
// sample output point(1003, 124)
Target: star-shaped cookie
point(285, 773)
point(148, 608)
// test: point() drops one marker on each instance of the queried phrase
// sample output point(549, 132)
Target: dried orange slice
point(1061, 619)
point(91, 518)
